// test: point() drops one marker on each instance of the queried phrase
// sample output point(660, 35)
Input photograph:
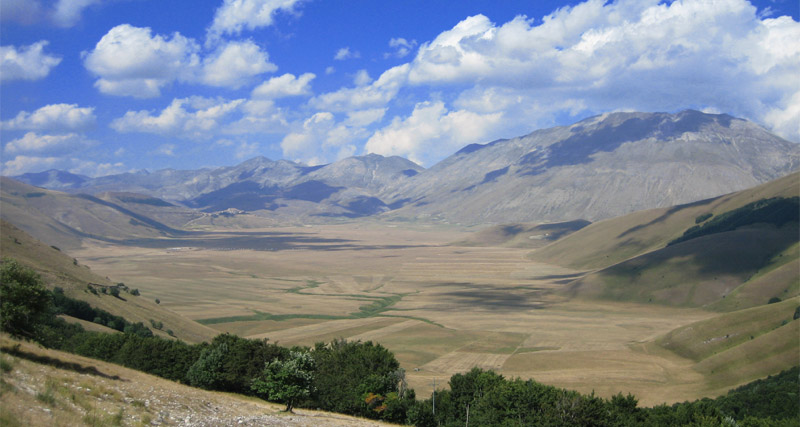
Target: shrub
point(24, 301)
point(703, 217)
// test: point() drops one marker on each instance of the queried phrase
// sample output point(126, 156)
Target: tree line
point(363, 378)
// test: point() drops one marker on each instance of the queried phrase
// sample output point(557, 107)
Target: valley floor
point(441, 309)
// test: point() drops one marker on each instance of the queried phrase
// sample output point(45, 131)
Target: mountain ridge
point(600, 167)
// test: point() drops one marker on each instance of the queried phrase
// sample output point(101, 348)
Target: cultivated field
point(441, 309)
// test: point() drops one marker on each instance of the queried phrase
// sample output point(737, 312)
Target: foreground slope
point(58, 269)
point(48, 387)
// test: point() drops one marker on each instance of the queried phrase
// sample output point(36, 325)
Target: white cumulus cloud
point(54, 117)
point(346, 53)
point(236, 64)
point(32, 142)
point(23, 164)
point(374, 95)
point(26, 63)
point(321, 138)
point(67, 13)
point(234, 16)
point(132, 61)
point(636, 54)
point(402, 47)
point(431, 131)
point(192, 118)
point(283, 86)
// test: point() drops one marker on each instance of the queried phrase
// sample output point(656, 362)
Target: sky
point(98, 87)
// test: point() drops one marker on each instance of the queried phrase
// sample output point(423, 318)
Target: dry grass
point(454, 307)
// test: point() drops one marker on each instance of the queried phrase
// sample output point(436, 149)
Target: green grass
point(260, 315)
point(535, 349)
point(377, 306)
point(310, 284)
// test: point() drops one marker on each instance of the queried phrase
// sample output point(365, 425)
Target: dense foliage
point(229, 363)
point(24, 301)
point(486, 398)
point(777, 396)
point(365, 379)
point(776, 211)
point(63, 304)
point(348, 372)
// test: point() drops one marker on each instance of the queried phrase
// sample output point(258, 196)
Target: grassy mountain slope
point(608, 242)
point(703, 271)
point(63, 219)
point(58, 269)
point(162, 211)
point(41, 387)
point(521, 235)
point(741, 345)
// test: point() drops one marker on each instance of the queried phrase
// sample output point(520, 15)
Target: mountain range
point(597, 168)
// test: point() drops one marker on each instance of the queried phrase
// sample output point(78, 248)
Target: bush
point(773, 300)
point(24, 301)
point(703, 217)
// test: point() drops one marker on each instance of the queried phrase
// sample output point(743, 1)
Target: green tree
point(24, 301)
point(207, 371)
point(286, 381)
point(347, 372)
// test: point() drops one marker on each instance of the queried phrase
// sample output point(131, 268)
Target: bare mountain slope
point(601, 167)
point(63, 219)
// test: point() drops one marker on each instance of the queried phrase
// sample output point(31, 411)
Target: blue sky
point(107, 86)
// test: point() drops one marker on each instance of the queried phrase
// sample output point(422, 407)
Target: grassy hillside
point(164, 212)
point(752, 265)
point(521, 235)
point(741, 345)
point(40, 387)
point(59, 269)
point(609, 242)
point(64, 219)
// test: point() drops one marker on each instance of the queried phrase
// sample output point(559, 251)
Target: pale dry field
point(441, 309)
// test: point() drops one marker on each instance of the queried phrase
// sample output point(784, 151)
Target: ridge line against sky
point(106, 86)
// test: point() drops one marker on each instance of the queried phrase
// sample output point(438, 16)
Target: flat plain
point(440, 308)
